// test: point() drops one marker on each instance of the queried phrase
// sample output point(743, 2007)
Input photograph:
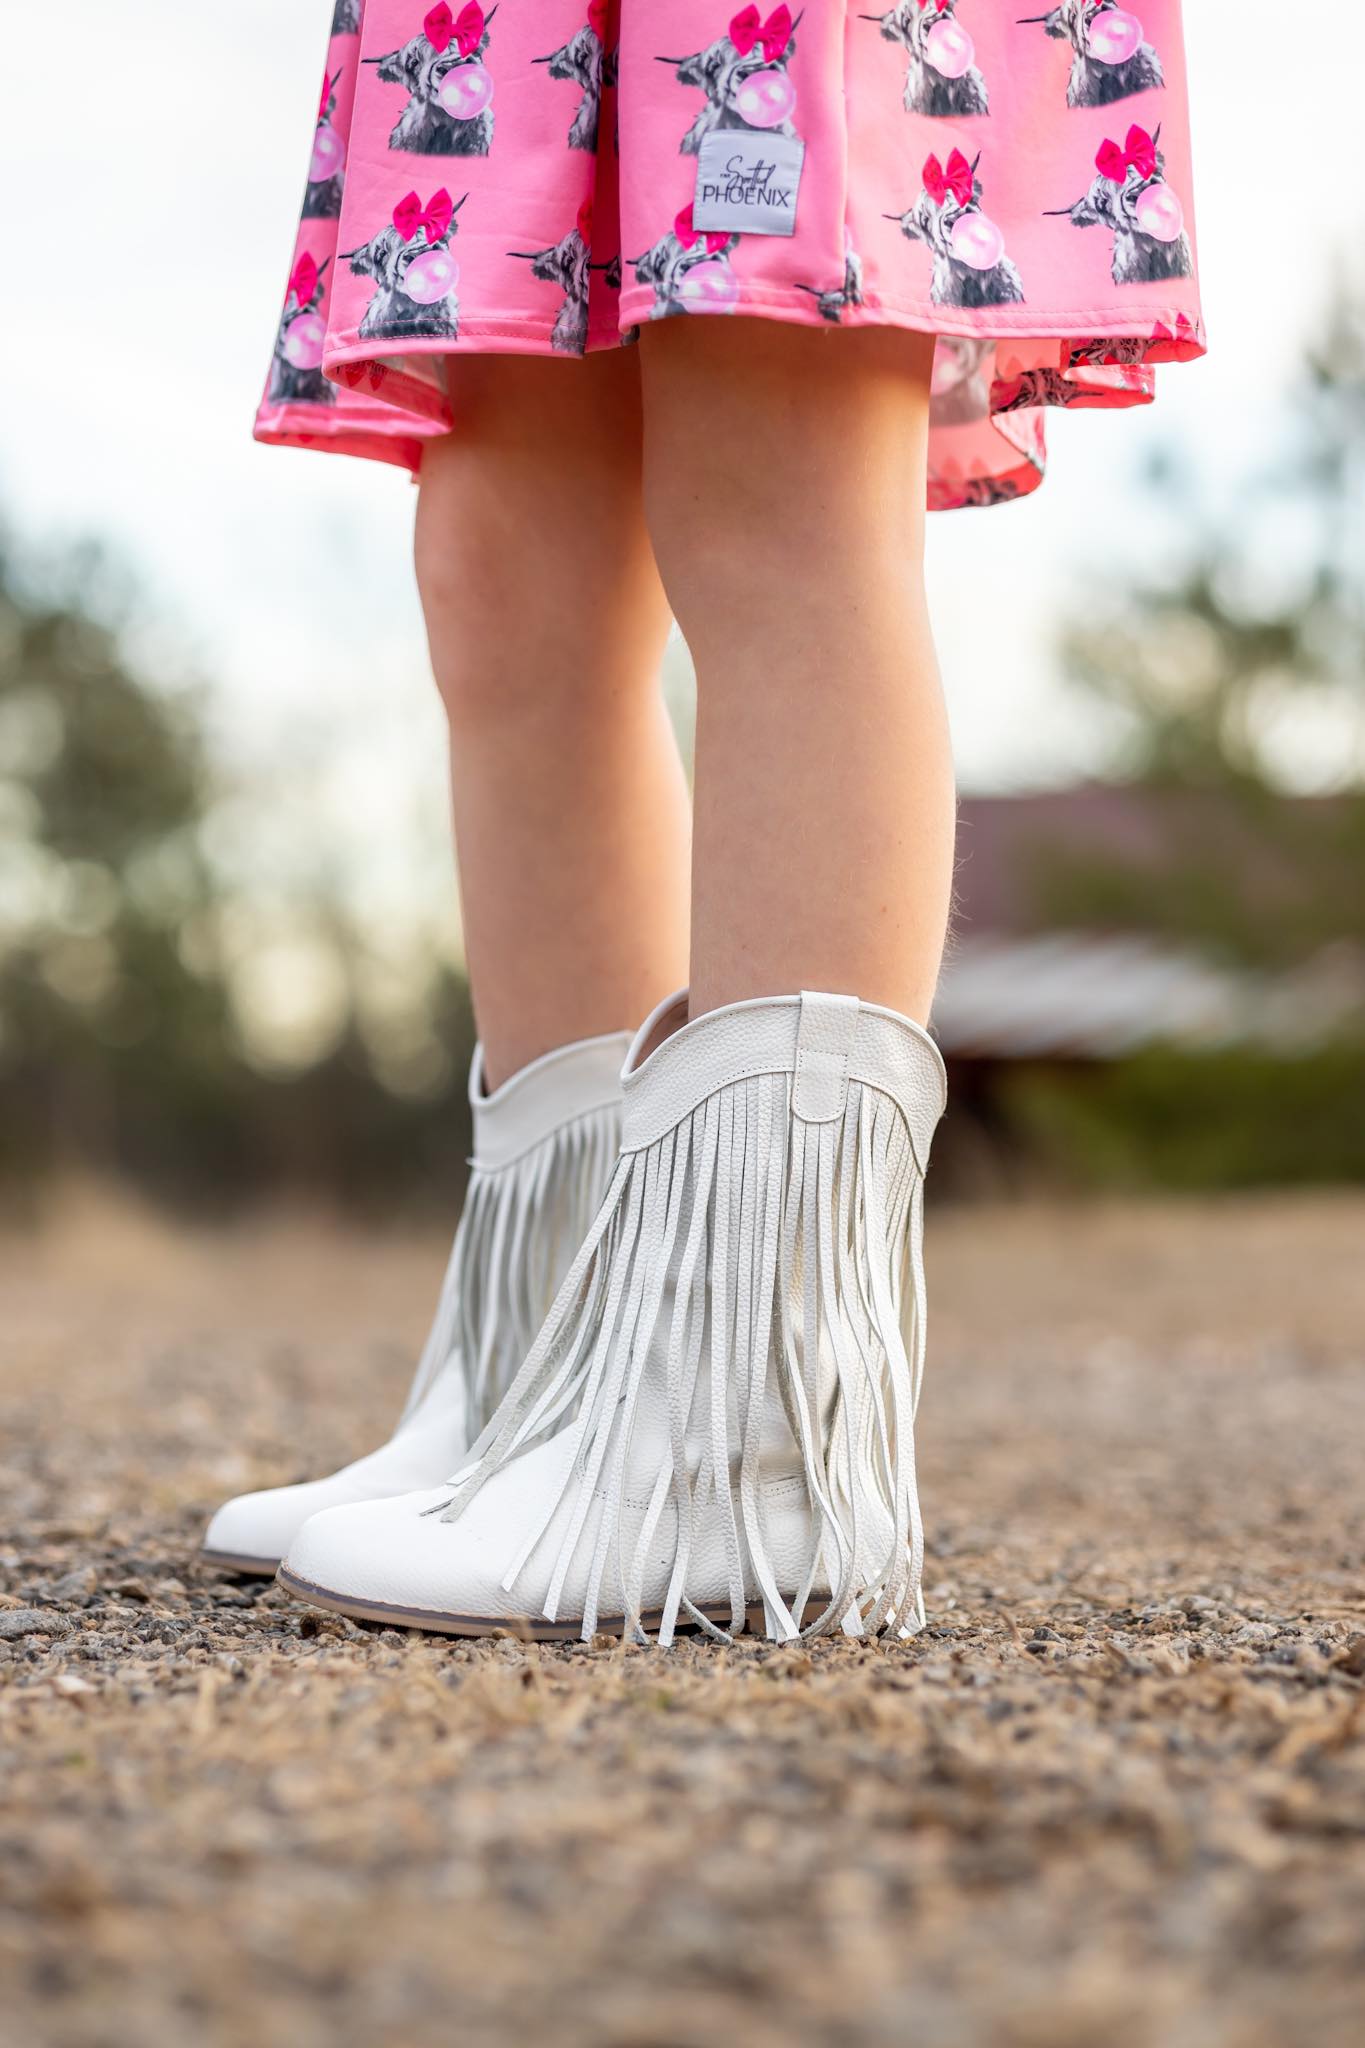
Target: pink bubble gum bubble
point(765, 98)
point(1159, 212)
point(430, 276)
point(952, 362)
point(709, 287)
point(329, 155)
point(304, 339)
point(977, 241)
point(466, 91)
point(950, 49)
point(1114, 37)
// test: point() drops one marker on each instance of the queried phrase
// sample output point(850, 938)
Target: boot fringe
point(521, 1226)
point(721, 1246)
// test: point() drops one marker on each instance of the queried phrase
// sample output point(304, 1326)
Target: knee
point(514, 641)
point(490, 663)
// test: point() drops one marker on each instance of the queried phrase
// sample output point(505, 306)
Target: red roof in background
point(1001, 839)
point(1013, 988)
point(998, 839)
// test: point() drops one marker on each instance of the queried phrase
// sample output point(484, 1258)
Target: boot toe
point(400, 1558)
point(253, 1531)
point(384, 1557)
point(401, 1561)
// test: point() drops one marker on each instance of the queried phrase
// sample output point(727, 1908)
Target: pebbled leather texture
point(571, 1082)
point(720, 1406)
point(887, 1052)
point(826, 1034)
point(402, 1553)
point(545, 1146)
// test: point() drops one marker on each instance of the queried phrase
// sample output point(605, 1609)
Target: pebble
point(16, 1622)
point(75, 1585)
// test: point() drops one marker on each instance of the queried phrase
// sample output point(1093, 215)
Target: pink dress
point(544, 176)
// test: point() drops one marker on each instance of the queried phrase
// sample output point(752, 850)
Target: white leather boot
point(545, 1143)
point(715, 1426)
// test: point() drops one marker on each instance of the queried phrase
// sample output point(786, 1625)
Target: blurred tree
point(1238, 679)
point(109, 1038)
point(121, 1034)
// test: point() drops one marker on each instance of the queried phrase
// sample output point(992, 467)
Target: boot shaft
point(744, 1321)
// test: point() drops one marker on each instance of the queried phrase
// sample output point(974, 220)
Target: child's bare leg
point(785, 488)
point(547, 624)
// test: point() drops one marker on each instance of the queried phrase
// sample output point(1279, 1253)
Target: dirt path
point(1115, 1795)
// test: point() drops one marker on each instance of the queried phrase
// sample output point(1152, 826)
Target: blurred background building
point(229, 955)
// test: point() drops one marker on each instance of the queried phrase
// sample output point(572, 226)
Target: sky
point(158, 196)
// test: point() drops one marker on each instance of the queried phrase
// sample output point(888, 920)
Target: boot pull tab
point(824, 1047)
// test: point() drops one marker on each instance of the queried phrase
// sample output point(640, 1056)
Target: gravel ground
point(1115, 1794)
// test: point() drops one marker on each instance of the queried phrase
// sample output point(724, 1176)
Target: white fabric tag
point(747, 182)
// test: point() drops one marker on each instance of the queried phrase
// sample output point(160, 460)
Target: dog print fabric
point(744, 76)
point(523, 175)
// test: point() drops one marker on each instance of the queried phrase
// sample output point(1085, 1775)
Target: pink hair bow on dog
point(749, 29)
point(409, 215)
point(304, 282)
point(441, 28)
point(939, 6)
point(956, 178)
point(597, 19)
point(689, 237)
point(1138, 154)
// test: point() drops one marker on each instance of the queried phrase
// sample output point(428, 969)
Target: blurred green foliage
point(1192, 1121)
point(1232, 686)
point(1234, 681)
point(121, 1045)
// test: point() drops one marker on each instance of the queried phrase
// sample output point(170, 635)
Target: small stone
point(1256, 1633)
point(75, 1585)
point(1351, 1660)
point(16, 1622)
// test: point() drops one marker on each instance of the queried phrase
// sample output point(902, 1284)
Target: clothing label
point(747, 181)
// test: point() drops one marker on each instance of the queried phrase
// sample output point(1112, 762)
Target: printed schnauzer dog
point(1124, 176)
point(668, 262)
point(835, 298)
point(951, 196)
point(322, 199)
point(987, 490)
point(1043, 386)
point(583, 61)
point(1122, 348)
point(290, 384)
point(749, 45)
point(346, 20)
point(567, 263)
point(927, 91)
point(959, 390)
point(1094, 83)
point(422, 66)
point(415, 232)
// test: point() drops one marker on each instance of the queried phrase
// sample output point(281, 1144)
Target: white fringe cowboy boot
point(715, 1426)
point(545, 1143)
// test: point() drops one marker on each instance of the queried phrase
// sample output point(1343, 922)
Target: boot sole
point(521, 1627)
point(230, 1561)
